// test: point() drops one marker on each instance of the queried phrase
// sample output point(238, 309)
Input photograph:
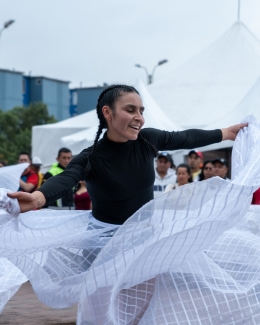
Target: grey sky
point(100, 41)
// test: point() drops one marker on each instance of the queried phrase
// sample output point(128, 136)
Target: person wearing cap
point(36, 166)
point(220, 168)
point(164, 174)
point(29, 180)
point(195, 160)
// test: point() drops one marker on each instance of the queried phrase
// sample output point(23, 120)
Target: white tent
point(212, 83)
point(46, 138)
point(153, 114)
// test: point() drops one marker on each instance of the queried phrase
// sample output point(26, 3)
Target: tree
point(16, 129)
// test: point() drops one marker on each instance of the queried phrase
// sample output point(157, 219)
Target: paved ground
point(25, 308)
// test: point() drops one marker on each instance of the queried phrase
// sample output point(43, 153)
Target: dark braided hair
point(108, 97)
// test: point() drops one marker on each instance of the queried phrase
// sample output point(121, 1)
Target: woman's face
point(182, 176)
point(208, 170)
point(126, 119)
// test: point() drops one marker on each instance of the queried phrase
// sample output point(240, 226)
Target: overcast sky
point(101, 40)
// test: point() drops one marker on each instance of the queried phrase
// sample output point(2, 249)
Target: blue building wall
point(26, 91)
point(11, 93)
point(83, 100)
point(54, 93)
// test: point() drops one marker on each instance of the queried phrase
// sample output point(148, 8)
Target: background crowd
point(167, 176)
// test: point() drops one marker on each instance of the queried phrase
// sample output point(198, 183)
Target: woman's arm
point(189, 139)
point(55, 187)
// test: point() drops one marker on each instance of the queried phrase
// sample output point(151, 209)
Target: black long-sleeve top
point(122, 174)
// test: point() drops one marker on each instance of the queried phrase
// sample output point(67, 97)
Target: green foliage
point(16, 129)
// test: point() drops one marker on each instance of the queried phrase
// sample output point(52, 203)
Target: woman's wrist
point(39, 198)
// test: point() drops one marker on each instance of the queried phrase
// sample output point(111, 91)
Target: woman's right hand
point(28, 201)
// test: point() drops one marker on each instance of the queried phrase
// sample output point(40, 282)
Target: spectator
point(164, 175)
point(81, 198)
point(206, 171)
point(36, 166)
point(172, 163)
point(220, 168)
point(256, 197)
point(24, 157)
point(2, 163)
point(183, 177)
point(29, 180)
point(63, 159)
point(195, 160)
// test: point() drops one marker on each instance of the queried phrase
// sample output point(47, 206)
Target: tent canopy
point(46, 138)
point(213, 82)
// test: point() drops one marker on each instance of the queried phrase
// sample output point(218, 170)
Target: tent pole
point(238, 11)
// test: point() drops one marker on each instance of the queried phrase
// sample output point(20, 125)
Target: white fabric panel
point(192, 256)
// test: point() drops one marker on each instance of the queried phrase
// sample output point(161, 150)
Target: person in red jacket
point(256, 197)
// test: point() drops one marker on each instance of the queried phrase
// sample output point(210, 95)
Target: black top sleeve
point(60, 185)
point(46, 176)
point(188, 139)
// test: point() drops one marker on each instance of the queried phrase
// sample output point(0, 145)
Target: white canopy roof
point(153, 114)
point(212, 83)
point(250, 105)
point(46, 138)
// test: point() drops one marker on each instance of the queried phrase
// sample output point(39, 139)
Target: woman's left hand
point(231, 132)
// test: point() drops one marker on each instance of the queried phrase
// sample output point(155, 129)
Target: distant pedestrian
point(164, 175)
point(184, 176)
point(206, 171)
point(82, 198)
point(220, 168)
point(195, 161)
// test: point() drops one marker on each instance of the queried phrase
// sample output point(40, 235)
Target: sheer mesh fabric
point(191, 256)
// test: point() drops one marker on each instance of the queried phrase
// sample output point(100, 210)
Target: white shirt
point(161, 183)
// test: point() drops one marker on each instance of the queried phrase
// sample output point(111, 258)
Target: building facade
point(52, 92)
point(19, 90)
point(11, 92)
point(84, 99)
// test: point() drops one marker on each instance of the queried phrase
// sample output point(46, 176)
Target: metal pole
point(238, 11)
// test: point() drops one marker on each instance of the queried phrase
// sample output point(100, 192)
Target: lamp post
point(151, 76)
point(6, 25)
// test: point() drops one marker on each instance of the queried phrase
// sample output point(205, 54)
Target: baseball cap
point(220, 160)
point(198, 153)
point(165, 154)
point(36, 161)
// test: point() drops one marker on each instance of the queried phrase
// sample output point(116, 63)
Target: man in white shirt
point(164, 175)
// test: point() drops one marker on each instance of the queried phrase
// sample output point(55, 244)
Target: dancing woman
point(119, 168)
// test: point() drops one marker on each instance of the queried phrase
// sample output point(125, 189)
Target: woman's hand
point(231, 132)
point(28, 201)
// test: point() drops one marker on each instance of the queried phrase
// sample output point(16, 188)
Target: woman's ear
point(106, 112)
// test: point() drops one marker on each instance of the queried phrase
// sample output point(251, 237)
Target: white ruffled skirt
point(192, 256)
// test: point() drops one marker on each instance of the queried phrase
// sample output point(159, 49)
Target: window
point(74, 98)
